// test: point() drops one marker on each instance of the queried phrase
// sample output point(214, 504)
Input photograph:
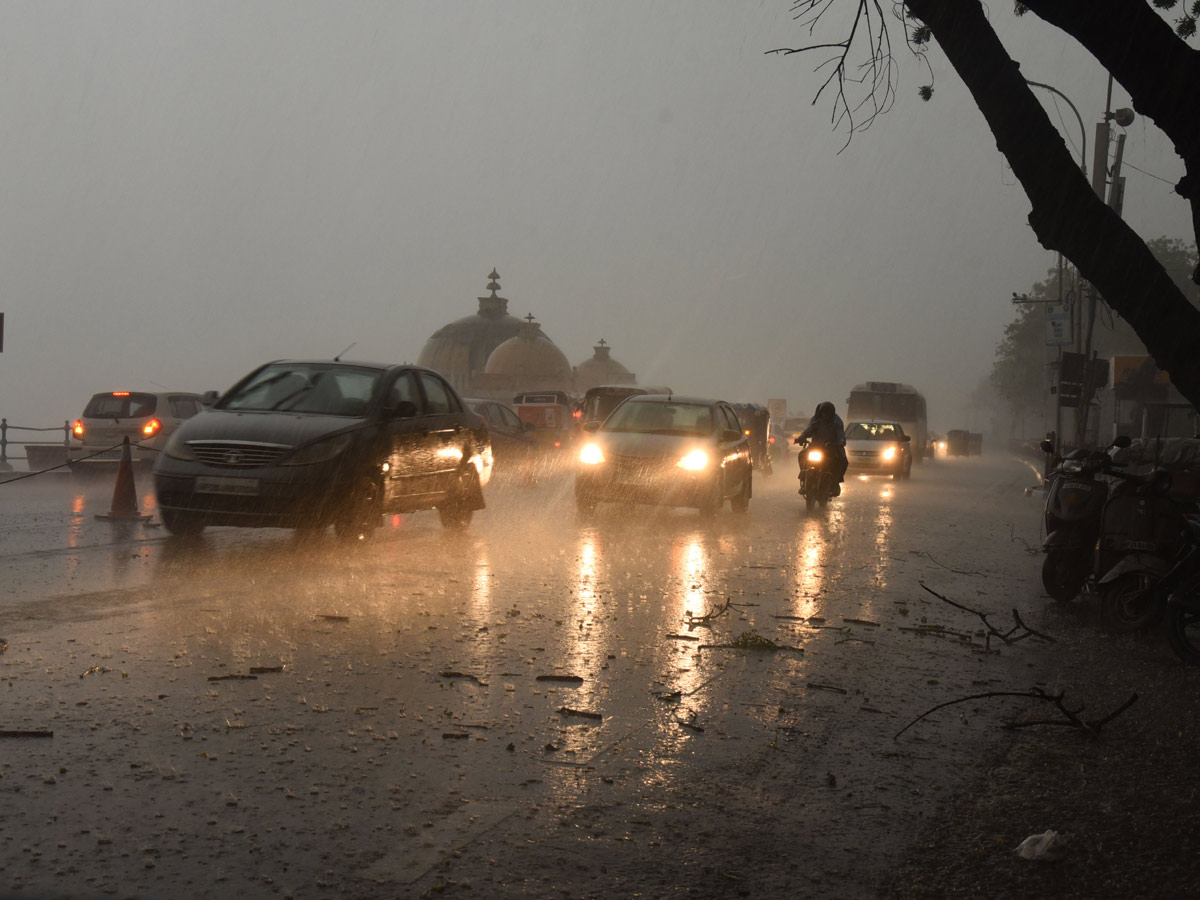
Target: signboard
point(1058, 324)
point(777, 408)
point(1136, 371)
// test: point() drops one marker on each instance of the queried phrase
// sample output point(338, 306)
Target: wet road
point(528, 708)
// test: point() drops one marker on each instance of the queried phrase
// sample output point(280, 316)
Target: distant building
point(600, 369)
point(494, 355)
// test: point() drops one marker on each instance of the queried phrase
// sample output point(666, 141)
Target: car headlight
point(591, 455)
point(889, 453)
point(815, 456)
point(319, 452)
point(694, 461)
point(177, 447)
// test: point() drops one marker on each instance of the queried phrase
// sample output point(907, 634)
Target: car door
point(737, 470)
point(443, 419)
point(410, 467)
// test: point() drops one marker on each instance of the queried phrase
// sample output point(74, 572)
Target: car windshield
point(121, 405)
point(321, 389)
point(691, 419)
point(872, 431)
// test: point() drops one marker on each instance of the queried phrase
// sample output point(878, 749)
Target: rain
point(325, 576)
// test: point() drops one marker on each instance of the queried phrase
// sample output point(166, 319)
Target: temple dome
point(601, 368)
point(532, 357)
point(460, 350)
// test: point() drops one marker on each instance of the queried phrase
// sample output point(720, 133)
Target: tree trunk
point(1067, 216)
point(1160, 72)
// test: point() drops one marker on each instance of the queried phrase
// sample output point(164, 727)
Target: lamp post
point(1075, 305)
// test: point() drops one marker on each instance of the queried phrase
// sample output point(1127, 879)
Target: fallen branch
point(708, 617)
point(1070, 716)
point(1020, 629)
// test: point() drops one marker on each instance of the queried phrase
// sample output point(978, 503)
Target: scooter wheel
point(1063, 574)
point(1183, 632)
point(1128, 604)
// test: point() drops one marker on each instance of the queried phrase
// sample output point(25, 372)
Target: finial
point(529, 318)
point(603, 343)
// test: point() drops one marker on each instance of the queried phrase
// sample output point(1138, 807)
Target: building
point(495, 355)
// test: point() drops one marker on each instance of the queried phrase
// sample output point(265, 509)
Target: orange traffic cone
point(124, 501)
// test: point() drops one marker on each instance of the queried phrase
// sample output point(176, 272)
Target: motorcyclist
point(826, 428)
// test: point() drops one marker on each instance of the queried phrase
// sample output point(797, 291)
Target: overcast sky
point(191, 188)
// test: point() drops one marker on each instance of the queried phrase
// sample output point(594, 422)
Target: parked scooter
point(1179, 591)
point(817, 482)
point(1074, 503)
point(1142, 531)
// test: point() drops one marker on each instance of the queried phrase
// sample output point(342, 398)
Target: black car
point(513, 443)
point(675, 451)
point(313, 443)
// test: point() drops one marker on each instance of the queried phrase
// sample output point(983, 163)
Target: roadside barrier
point(6, 466)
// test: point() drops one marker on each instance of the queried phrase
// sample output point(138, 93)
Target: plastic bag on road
point(1045, 847)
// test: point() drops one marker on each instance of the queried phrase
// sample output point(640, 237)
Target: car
point(667, 450)
point(513, 444)
point(554, 420)
point(147, 418)
point(312, 443)
point(878, 446)
point(755, 421)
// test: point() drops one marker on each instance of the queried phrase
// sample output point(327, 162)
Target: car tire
point(359, 514)
point(456, 513)
point(740, 503)
point(181, 523)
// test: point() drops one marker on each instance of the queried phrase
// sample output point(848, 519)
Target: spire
point(602, 349)
point(530, 330)
point(494, 305)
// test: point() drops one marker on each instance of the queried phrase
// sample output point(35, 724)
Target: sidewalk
point(1128, 803)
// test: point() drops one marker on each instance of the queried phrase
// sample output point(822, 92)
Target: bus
point(894, 402)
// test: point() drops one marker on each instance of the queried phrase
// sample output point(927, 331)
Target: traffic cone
point(124, 501)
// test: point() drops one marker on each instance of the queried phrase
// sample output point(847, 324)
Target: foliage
point(1018, 372)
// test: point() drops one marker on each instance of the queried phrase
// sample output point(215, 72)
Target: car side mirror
point(1048, 446)
point(591, 427)
point(1122, 441)
point(728, 436)
point(404, 409)
point(208, 398)
point(906, 438)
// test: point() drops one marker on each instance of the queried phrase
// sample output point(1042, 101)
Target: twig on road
point(1070, 718)
point(1018, 632)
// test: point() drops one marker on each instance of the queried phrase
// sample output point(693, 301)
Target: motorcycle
point(818, 484)
point(1075, 500)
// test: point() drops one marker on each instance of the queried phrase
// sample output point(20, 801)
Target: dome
point(601, 368)
point(460, 350)
point(532, 357)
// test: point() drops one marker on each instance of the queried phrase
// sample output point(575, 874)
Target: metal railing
point(65, 428)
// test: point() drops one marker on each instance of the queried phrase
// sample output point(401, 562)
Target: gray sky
point(191, 188)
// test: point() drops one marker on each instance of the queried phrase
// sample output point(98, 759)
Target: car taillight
point(77, 429)
point(771, 439)
point(151, 428)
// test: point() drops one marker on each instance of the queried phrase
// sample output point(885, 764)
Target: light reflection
point(883, 536)
point(691, 569)
point(810, 567)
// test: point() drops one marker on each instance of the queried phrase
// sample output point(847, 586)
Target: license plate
point(217, 484)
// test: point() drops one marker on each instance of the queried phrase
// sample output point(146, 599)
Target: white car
point(147, 419)
point(878, 446)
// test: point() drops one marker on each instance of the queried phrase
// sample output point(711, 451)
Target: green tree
point(1149, 58)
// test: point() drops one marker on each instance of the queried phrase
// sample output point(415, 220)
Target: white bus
point(894, 402)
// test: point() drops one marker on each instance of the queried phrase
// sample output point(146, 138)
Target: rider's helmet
point(824, 410)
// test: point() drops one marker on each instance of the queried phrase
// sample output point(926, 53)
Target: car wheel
point(456, 513)
point(359, 516)
point(181, 523)
point(741, 503)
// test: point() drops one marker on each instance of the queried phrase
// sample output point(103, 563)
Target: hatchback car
point(663, 449)
point(878, 446)
point(312, 443)
point(147, 419)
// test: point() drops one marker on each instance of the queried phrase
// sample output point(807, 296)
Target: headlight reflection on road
point(883, 535)
point(810, 567)
point(691, 569)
